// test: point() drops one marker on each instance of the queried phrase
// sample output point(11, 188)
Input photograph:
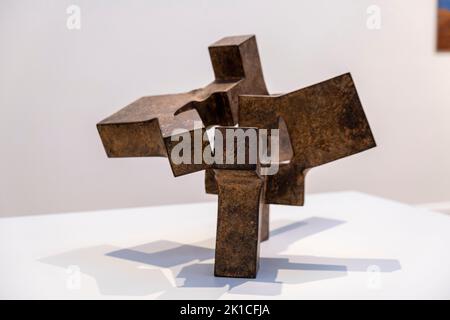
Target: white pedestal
point(339, 245)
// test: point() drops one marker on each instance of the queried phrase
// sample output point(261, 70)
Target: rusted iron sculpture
point(318, 124)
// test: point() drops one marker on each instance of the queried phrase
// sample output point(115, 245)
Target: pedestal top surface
point(339, 245)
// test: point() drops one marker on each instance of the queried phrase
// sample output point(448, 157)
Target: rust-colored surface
point(145, 127)
point(240, 182)
point(317, 124)
point(238, 223)
point(325, 122)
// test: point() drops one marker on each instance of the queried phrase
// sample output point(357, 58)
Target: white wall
point(55, 84)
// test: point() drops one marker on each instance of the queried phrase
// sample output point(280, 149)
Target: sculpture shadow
point(172, 270)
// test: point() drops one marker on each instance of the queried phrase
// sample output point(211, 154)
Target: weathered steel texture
point(145, 127)
point(210, 182)
point(265, 215)
point(325, 122)
point(318, 124)
point(236, 60)
point(211, 188)
point(238, 151)
point(238, 223)
point(230, 143)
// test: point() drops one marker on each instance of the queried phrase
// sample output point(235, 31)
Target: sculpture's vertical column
point(211, 187)
point(238, 223)
point(265, 220)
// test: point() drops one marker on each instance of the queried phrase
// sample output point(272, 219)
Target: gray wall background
point(56, 84)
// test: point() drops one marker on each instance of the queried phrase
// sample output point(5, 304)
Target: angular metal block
point(238, 223)
point(318, 124)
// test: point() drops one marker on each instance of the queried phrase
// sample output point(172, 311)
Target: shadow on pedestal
point(186, 271)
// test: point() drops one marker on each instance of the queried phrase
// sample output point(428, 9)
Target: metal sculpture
point(316, 125)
